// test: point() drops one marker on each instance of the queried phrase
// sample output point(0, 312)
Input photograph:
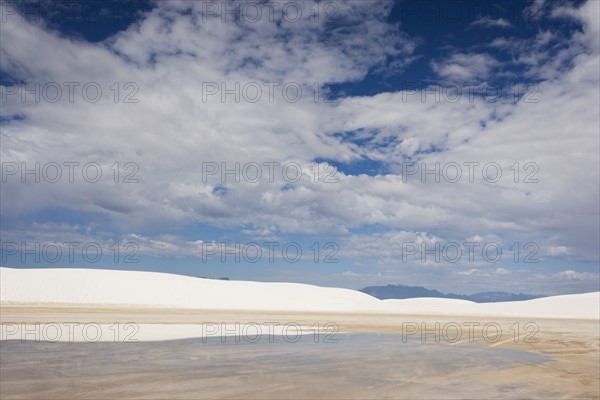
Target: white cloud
point(583, 276)
point(535, 11)
point(352, 274)
point(490, 23)
point(483, 272)
point(472, 271)
point(464, 67)
point(172, 130)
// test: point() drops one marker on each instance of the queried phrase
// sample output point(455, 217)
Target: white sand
point(575, 306)
point(151, 289)
point(72, 332)
point(108, 287)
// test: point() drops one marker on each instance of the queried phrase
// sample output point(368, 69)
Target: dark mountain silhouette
point(407, 292)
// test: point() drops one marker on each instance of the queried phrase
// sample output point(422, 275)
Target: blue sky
point(348, 103)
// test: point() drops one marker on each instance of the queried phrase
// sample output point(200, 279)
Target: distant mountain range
point(407, 292)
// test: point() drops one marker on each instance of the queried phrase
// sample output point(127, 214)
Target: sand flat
point(573, 346)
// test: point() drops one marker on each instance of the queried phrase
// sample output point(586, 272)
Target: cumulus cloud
point(173, 52)
point(570, 274)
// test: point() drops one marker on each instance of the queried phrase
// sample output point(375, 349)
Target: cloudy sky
point(451, 144)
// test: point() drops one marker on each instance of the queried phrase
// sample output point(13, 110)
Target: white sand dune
point(109, 287)
point(151, 289)
point(576, 306)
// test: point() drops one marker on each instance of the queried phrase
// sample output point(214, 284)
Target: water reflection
point(357, 366)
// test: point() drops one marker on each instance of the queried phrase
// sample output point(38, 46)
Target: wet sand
point(370, 358)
